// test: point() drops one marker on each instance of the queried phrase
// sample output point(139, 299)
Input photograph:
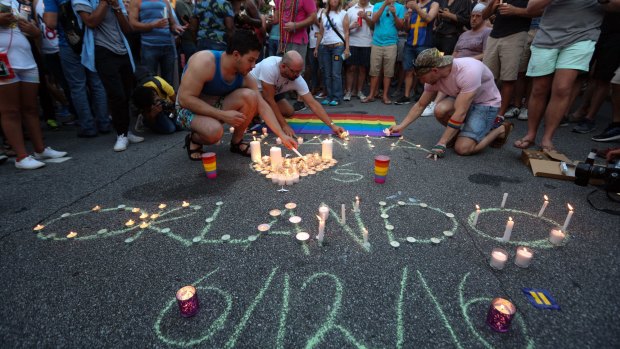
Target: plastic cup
point(210, 165)
point(382, 164)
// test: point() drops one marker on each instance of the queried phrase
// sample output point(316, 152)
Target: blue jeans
point(81, 81)
point(162, 57)
point(162, 124)
point(272, 47)
point(315, 70)
point(478, 121)
point(331, 62)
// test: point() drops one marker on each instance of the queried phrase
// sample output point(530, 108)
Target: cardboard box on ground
point(548, 164)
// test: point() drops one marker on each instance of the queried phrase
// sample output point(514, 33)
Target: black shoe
point(403, 100)
point(299, 106)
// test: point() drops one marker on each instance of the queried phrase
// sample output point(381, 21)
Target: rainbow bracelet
point(457, 125)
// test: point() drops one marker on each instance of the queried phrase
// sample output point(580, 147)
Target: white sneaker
point(121, 143)
point(429, 110)
point(361, 95)
point(347, 96)
point(512, 112)
point(133, 138)
point(140, 124)
point(49, 153)
point(29, 163)
point(522, 114)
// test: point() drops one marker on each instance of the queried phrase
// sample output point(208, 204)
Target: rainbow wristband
point(457, 125)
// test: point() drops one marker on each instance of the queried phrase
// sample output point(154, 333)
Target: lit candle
point(327, 148)
point(300, 140)
point(71, 234)
point(154, 216)
point(343, 215)
point(288, 179)
point(544, 206)
point(276, 158)
point(130, 223)
point(500, 314)
point(498, 258)
point(295, 177)
point(321, 234)
point(508, 230)
point(356, 205)
point(568, 217)
point(144, 215)
point(278, 140)
point(185, 204)
point(162, 206)
point(504, 200)
point(255, 151)
point(144, 225)
point(365, 235)
point(187, 298)
point(476, 216)
point(523, 257)
point(38, 227)
point(556, 236)
point(96, 208)
point(281, 179)
point(135, 210)
point(265, 131)
point(302, 237)
point(231, 129)
point(323, 212)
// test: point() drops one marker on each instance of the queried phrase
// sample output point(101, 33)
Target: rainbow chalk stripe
point(355, 124)
point(209, 164)
point(382, 163)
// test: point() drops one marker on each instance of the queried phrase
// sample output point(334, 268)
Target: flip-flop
point(524, 143)
point(500, 141)
point(388, 102)
point(367, 100)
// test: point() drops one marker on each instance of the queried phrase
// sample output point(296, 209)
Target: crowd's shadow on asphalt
point(182, 187)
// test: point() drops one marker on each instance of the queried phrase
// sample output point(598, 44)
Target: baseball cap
point(429, 59)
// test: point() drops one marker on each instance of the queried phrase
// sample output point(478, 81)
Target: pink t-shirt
point(467, 75)
point(304, 9)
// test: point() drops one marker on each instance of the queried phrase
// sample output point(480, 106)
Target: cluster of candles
point(283, 171)
point(523, 257)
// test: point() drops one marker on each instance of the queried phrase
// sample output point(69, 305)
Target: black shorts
point(606, 57)
point(359, 56)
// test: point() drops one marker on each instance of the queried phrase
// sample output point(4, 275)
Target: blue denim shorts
point(478, 122)
point(410, 53)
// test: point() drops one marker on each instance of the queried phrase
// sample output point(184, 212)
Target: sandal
point(523, 143)
point(386, 101)
point(500, 141)
point(367, 100)
point(236, 148)
point(191, 153)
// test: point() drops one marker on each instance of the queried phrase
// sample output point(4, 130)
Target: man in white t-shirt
point(470, 109)
point(277, 75)
point(360, 39)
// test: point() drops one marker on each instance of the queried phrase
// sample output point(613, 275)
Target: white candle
point(508, 230)
point(231, 129)
point(265, 131)
point(276, 158)
point(288, 179)
point(356, 205)
point(544, 206)
point(556, 236)
point(255, 151)
point(300, 140)
point(498, 258)
point(327, 147)
point(568, 217)
point(321, 230)
point(323, 212)
point(523, 257)
point(504, 200)
point(278, 140)
point(365, 236)
point(274, 178)
point(476, 216)
point(281, 179)
point(343, 214)
point(295, 177)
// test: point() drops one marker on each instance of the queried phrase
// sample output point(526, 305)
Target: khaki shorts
point(382, 56)
point(503, 55)
point(527, 52)
point(616, 79)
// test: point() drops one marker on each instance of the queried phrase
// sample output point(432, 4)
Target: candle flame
point(320, 219)
point(144, 215)
point(570, 208)
point(365, 230)
point(162, 206)
point(135, 210)
point(357, 198)
point(253, 136)
point(71, 234)
point(130, 223)
point(154, 216)
point(185, 204)
point(546, 198)
point(144, 225)
point(510, 219)
point(477, 207)
point(96, 208)
point(38, 227)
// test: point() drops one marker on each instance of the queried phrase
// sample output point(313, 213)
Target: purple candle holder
point(500, 315)
point(187, 298)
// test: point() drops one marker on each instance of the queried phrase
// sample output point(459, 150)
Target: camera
point(609, 174)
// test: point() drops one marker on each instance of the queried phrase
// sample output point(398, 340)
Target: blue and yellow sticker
point(541, 299)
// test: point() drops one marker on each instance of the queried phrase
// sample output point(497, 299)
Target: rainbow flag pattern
point(355, 124)
point(210, 164)
point(541, 299)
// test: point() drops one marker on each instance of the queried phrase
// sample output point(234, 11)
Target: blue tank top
point(217, 86)
point(420, 31)
point(151, 11)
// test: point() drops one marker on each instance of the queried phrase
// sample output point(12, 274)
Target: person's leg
point(162, 124)
point(408, 57)
point(99, 101)
point(324, 57)
point(11, 117)
point(376, 61)
point(475, 135)
point(167, 62)
point(76, 76)
point(286, 109)
point(506, 92)
point(337, 73)
point(30, 114)
point(350, 78)
point(388, 71)
point(245, 101)
point(444, 110)
point(109, 66)
point(601, 90)
point(558, 104)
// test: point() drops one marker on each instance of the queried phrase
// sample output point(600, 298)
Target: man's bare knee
point(464, 147)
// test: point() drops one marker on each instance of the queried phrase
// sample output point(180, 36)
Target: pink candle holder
point(500, 315)
point(187, 298)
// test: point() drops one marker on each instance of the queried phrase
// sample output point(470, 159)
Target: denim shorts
point(478, 122)
point(23, 75)
point(410, 53)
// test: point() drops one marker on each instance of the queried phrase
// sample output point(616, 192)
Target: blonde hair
point(329, 6)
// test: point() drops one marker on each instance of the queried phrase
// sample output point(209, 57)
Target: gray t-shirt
point(108, 34)
point(566, 22)
point(472, 43)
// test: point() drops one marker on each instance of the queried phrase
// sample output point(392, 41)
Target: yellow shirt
point(167, 92)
